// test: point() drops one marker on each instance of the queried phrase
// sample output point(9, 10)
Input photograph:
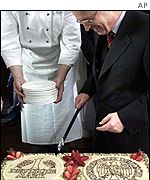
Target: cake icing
point(115, 167)
point(97, 167)
point(37, 166)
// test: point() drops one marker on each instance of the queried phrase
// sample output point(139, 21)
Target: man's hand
point(18, 89)
point(60, 87)
point(60, 78)
point(81, 100)
point(111, 123)
point(17, 74)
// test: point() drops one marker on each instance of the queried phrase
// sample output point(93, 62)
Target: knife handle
point(71, 123)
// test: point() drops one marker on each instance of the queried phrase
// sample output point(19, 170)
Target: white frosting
point(115, 166)
point(98, 166)
point(35, 167)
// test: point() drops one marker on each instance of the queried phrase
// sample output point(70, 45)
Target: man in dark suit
point(120, 80)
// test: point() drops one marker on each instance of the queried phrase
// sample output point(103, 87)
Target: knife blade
point(62, 142)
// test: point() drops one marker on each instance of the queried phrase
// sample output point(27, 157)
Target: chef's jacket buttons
point(47, 14)
point(47, 29)
point(47, 41)
point(30, 41)
point(27, 28)
point(27, 13)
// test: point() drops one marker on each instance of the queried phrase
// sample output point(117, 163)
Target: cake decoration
point(115, 166)
point(13, 154)
point(73, 161)
point(34, 166)
point(138, 156)
point(75, 166)
point(71, 172)
point(75, 158)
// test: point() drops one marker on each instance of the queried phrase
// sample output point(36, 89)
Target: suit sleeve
point(135, 116)
point(89, 86)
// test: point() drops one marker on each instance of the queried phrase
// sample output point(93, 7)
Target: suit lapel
point(120, 44)
point(121, 41)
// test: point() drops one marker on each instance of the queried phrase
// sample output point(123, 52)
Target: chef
point(43, 45)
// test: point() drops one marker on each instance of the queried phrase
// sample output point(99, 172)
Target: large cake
point(63, 166)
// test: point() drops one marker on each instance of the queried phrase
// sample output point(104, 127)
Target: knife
point(62, 142)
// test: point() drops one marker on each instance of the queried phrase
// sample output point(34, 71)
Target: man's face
point(100, 21)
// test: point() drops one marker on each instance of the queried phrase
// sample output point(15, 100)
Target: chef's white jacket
point(39, 41)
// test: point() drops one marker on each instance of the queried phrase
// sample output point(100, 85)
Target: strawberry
point(134, 156)
point(74, 166)
point(84, 158)
point(18, 154)
point(80, 162)
point(67, 175)
point(75, 151)
point(11, 151)
point(68, 163)
point(69, 169)
point(10, 157)
point(139, 158)
point(66, 158)
point(74, 177)
point(75, 154)
point(140, 153)
point(76, 172)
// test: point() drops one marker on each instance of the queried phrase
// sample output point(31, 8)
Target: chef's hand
point(81, 100)
point(60, 87)
point(17, 74)
point(111, 123)
point(60, 78)
point(18, 89)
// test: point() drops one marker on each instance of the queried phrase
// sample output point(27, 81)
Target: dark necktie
point(110, 37)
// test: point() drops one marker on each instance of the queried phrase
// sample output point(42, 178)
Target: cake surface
point(115, 167)
point(37, 166)
point(97, 167)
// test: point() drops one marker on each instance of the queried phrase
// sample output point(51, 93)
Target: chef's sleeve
point(10, 44)
point(70, 40)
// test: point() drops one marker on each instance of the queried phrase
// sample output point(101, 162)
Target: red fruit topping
point(84, 158)
point(139, 158)
point(134, 156)
point(75, 154)
point(18, 154)
point(66, 158)
point(69, 163)
point(76, 158)
point(10, 157)
point(67, 175)
point(11, 151)
point(74, 166)
point(140, 153)
point(72, 163)
point(70, 169)
point(76, 172)
point(73, 177)
point(79, 162)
